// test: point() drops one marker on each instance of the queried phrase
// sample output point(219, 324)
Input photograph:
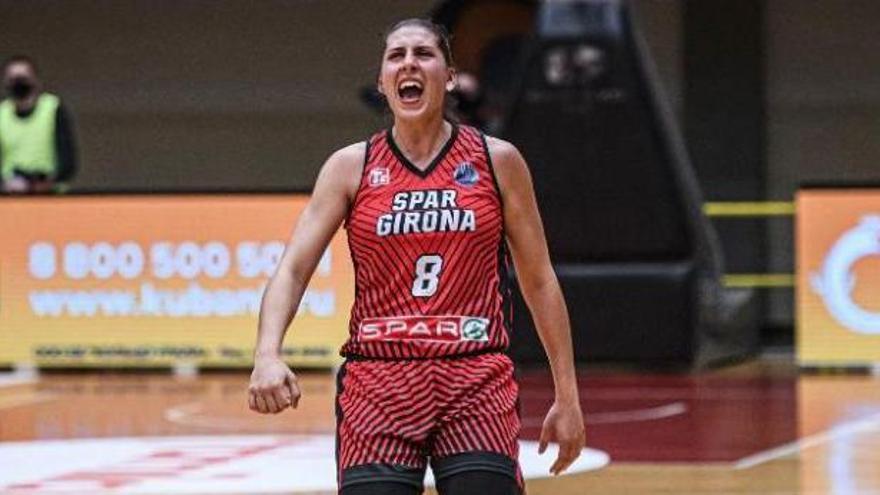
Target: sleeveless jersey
point(429, 253)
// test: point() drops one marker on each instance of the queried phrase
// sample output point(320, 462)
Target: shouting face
point(415, 75)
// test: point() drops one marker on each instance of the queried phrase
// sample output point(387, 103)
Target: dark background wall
point(823, 107)
point(198, 94)
point(224, 94)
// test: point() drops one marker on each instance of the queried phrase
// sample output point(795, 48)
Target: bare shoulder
point(342, 171)
point(502, 151)
point(509, 165)
point(351, 156)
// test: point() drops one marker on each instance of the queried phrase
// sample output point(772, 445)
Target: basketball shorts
point(394, 417)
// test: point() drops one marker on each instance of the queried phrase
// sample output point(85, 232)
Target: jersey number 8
point(428, 268)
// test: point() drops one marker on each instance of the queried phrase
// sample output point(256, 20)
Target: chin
point(416, 113)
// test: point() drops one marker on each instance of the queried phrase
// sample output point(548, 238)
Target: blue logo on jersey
point(466, 174)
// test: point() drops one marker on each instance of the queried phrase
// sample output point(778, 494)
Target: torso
point(429, 253)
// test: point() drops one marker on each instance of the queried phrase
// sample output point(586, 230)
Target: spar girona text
point(425, 211)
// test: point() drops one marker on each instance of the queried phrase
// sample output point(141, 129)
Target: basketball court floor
point(760, 427)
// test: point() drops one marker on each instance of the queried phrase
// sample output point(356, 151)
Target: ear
point(452, 80)
point(379, 87)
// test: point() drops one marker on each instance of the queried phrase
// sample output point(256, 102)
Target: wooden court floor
point(760, 427)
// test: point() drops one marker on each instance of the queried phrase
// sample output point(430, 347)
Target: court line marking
point(631, 416)
point(188, 415)
point(18, 378)
point(19, 400)
point(185, 414)
point(836, 433)
point(636, 415)
point(658, 393)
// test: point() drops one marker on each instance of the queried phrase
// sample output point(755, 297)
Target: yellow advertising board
point(146, 280)
point(838, 277)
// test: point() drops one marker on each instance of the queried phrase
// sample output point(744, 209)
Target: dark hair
point(18, 59)
point(437, 30)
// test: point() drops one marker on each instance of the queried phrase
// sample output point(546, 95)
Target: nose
point(409, 60)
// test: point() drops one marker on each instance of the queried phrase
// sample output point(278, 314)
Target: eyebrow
point(417, 47)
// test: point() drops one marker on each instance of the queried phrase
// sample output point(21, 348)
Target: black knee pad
point(382, 479)
point(476, 473)
point(380, 488)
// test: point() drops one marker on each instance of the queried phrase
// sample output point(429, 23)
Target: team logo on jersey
point(475, 329)
point(379, 176)
point(445, 328)
point(465, 174)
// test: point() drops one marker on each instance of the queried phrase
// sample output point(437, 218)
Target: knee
point(478, 483)
point(380, 488)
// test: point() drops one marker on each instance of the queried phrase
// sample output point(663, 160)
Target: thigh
point(380, 437)
point(480, 408)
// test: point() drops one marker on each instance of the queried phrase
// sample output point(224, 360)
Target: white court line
point(645, 414)
point(632, 416)
point(188, 415)
point(18, 378)
point(185, 415)
point(845, 430)
point(13, 401)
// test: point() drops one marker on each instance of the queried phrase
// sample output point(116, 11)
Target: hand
point(564, 425)
point(273, 387)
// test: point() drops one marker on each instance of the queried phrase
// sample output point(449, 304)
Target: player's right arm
point(273, 385)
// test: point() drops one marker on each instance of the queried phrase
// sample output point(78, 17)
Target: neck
point(26, 104)
point(421, 140)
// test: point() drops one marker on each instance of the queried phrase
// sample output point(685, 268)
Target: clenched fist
point(273, 386)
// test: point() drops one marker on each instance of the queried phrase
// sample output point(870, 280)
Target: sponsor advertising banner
point(838, 277)
point(157, 280)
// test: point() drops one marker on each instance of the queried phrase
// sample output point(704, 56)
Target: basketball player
point(430, 208)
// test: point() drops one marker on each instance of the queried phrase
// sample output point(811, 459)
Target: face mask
point(20, 88)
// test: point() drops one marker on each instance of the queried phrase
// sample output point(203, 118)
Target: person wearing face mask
point(37, 147)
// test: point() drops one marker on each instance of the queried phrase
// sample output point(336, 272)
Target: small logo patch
point(379, 176)
point(475, 329)
point(466, 174)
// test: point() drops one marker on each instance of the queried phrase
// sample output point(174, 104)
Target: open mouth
point(409, 91)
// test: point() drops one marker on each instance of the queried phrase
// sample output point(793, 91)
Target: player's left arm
point(564, 423)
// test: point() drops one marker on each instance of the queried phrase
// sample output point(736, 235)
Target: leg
point(476, 473)
point(475, 449)
point(380, 443)
point(381, 479)
point(380, 488)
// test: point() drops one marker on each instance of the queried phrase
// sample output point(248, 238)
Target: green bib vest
point(28, 144)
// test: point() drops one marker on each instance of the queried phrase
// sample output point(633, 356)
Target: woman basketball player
point(431, 209)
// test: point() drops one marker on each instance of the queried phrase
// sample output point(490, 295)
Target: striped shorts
point(394, 416)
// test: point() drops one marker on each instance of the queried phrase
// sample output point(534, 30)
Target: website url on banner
point(149, 301)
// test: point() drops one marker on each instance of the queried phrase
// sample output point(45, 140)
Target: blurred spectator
point(37, 148)
point(468, 99)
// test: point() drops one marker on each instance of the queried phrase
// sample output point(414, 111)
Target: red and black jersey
point(429, 253)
